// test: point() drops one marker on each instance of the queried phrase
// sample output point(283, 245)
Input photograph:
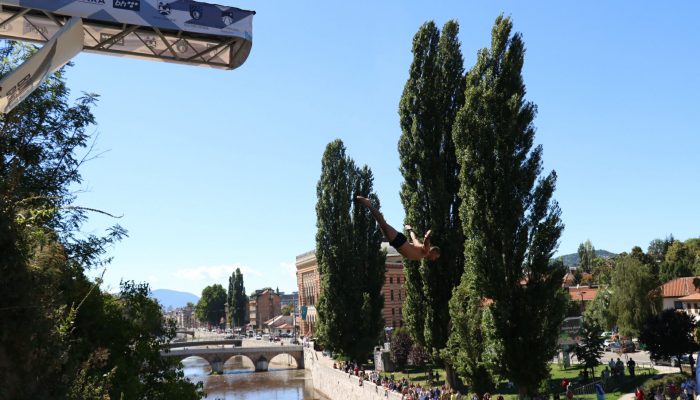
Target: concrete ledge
point(338, 385)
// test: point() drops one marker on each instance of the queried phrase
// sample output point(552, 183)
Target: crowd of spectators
point(408, 390)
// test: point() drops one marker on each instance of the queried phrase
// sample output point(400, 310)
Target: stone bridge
point(218, 352)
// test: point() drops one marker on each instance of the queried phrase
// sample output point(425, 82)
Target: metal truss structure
point(129, 40)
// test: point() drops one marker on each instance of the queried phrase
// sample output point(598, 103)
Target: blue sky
point(215, 169)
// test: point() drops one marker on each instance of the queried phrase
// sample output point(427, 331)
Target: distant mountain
point(172, 298)
point(571, 260)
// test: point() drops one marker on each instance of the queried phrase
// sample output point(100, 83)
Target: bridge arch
point(195, 362)
point(284, 361)
point(239, 362)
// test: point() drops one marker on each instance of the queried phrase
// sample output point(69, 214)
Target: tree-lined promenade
point(490, 308)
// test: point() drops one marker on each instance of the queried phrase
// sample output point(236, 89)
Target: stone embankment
point(337, 385)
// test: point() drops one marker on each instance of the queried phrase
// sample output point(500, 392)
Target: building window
point(398, 279)
point(399, 294)
point(392, 312)
point(391, 280)
point(391, 295)
point(677, 305)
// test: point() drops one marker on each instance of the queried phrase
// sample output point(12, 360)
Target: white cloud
point(289, 268)
point(212, 273)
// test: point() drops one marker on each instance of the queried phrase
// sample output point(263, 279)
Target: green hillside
point(571, 260)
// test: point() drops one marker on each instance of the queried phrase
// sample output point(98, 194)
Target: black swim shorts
point(398, 241)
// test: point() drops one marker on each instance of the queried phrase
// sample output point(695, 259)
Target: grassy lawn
point(615, 388)
point(419, 376)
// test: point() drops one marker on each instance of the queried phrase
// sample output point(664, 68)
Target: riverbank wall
point(337, 385)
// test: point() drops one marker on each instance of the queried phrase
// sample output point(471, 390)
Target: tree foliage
point(680, 259)
point(236, 299)
point(590, 349)
point(635, 295)
point(658, 247)
point(433, 94)
point(62, 336)
point(509, 219)
point(598, 311)
point(211, 305)
point(351, 263)
point(401, 345)
point(669, 334)
point(586, 254)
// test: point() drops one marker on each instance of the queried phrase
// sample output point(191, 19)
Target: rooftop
point(679, 287)
point(583, 293)
point(390, 251)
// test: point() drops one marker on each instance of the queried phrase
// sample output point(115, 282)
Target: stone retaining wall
point(337, 385)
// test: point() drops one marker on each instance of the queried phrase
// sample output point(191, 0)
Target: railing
point(588, 388)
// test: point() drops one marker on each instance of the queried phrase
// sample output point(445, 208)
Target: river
point(240, 382)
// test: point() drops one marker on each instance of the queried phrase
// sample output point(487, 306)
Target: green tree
point(137, 367)
point(287, 310)
point(511, 223)
point(586, 254)
point(598, 311)
point(236, 299)
point(590, 349)
point(658, 247)
point(401, 345)
point(370, 261)
point(669, 334)
point(681, 259)
point(88, 343)
point(433, 94)
point(602, 270)
point(229, 299)
point(635, 295)
point(351, 263)
point(473, 347)
point(211, 306)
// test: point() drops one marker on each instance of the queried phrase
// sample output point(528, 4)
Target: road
point(206, 335)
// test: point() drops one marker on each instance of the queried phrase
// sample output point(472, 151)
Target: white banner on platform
point(20, 83)
point(174, 15)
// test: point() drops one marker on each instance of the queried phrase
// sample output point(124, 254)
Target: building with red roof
point(584, 294)
point(681, 294)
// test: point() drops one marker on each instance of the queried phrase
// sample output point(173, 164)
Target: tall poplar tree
point(229, 299)
point(351, 263)
point(511, 223)
point(239, 299)
point(236, 299)
point(433, 94)
point(586, 254)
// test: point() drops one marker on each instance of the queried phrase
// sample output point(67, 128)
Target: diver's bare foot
point(363, 200)
point(408, 227)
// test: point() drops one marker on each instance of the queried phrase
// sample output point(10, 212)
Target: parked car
point(671, 361)
point(607, 344)
point(258, 337)
point(614, 346)
point(229, 337)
